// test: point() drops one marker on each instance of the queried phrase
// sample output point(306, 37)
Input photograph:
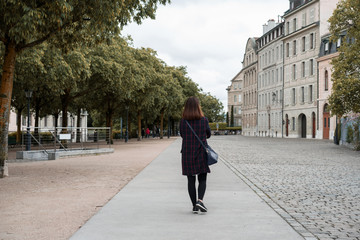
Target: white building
point(235, 98)
point(270, 80)
point(302, 45)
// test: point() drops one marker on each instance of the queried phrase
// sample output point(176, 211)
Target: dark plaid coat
point(193, 155)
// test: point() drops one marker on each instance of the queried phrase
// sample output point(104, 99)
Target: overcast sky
point(206, 36)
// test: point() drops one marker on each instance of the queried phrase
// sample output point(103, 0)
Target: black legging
point(201, 187)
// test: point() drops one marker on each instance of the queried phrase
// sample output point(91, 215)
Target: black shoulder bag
point(212, 156)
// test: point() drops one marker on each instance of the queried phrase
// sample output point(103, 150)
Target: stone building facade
point(327, 123)
point(301, 48)
point(270, 80)
point(235, 98)
point(249, 71)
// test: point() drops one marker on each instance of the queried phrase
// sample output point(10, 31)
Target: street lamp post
point(28, 94)
point(127, 119)
point(168, 132)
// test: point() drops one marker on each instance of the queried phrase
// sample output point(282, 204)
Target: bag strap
point(195, 134)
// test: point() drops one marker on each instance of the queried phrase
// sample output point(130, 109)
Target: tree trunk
point(139, 125)
point(37, 117)
point(78, 125)
point(64, 109)
point(5, 102)
point(109, 123)
point(18, 125)
point(162, 125)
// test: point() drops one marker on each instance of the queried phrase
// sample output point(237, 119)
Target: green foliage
point(232, 117)
point(234, 128)
point(345, 97)
point(227, 118)
point(357, 134)
point(222, 126)
point(350, 134)
point(212, 107)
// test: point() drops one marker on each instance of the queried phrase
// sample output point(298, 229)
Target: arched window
point(326, 80)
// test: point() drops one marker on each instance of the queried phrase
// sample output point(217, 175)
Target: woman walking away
point(193, 154)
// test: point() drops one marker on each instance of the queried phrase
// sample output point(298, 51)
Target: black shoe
point(201, 206)
point(195, 210)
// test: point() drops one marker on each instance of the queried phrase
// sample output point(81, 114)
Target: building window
point(303, 69)
point(304, 19)
point(311, 67)
point(294, 47)
point(326, 47)
point(293, 96)
point(294, 72)
point(302, 95)
point(234, 98)
point(239, 98)
point(294, 25)
point(287, 49)
point(338, 43)
point(288, 28)
point(303, 44)
point(293, 124)
point(311, 93)
point(311, 41)
point(326, 80)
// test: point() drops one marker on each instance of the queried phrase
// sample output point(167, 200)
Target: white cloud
point(207, 36)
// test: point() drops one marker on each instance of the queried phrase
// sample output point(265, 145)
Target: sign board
point(66, 136)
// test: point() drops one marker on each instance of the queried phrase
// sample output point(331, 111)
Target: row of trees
point(345, 97)
point(66, 25)
point(107, 80)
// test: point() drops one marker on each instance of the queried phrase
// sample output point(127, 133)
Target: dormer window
point(338, 43)
point(326, 46)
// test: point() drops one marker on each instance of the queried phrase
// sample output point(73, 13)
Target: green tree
point(113, 69)
point(232, 116)
point(212, 107)
point(25, 24)
point(345, 97)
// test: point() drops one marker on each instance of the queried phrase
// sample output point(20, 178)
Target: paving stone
point(315, 182)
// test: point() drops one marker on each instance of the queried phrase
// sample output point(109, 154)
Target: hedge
point(223, 126)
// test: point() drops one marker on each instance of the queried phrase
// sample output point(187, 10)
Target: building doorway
point(326, 122)
point(287, 125)
point(302, 120)
point(313, 125)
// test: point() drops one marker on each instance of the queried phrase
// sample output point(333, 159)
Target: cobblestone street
point(312, 184)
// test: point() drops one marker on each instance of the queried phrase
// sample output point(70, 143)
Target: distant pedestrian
point(147, 132)
point(193, 155)
point(142, 133)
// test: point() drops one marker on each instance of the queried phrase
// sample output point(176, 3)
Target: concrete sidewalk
point(156, 205)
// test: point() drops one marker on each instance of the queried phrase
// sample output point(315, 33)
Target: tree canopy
point(345, 25)
point(65, 24)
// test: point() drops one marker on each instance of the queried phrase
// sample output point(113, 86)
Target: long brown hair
point(192, 109)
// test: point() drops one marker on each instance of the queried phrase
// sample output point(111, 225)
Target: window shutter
point(304, 19)
point(312, 15)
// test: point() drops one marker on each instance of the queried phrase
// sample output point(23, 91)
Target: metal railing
point(65, 138)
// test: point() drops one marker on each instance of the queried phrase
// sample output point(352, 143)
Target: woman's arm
point(208, 130)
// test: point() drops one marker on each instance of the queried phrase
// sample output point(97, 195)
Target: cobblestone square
point(312, 184)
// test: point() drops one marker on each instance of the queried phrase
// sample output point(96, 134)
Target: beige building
point(328, 50)
point(327, 123)
point(270, 80)
point(249, 71)
point(301, 44)
point(235, 98)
